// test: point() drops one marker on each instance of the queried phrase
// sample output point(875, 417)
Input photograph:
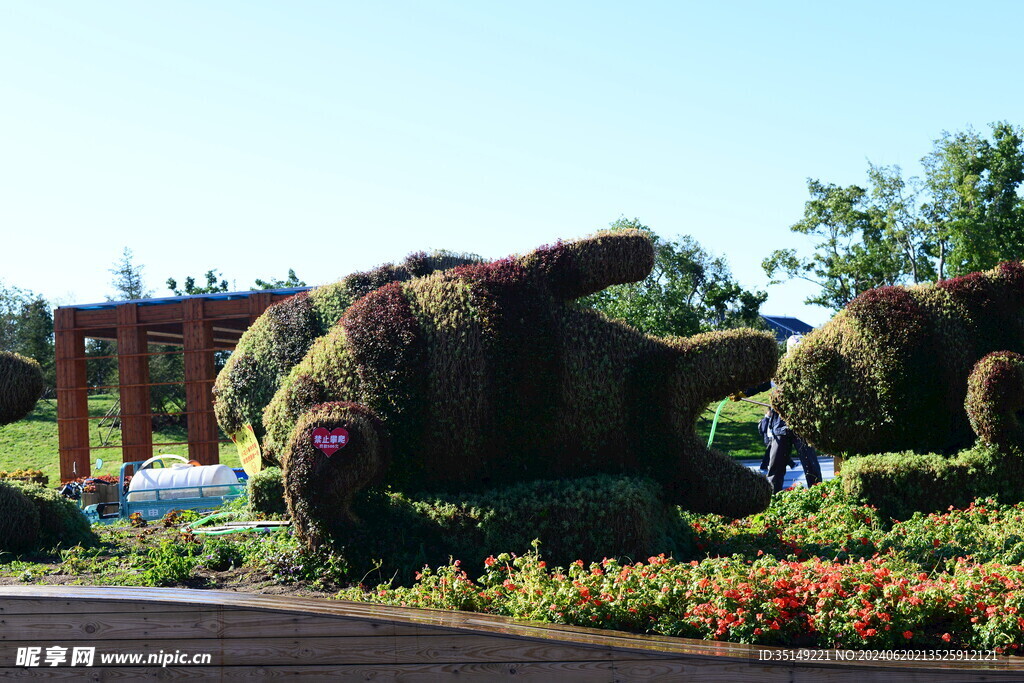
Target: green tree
point(688, 291)
point(26, 327)
point(128, 281)
point(291, 281)
point(852, 251)
point(212, 285)
point(974, 201)
point(965, 215)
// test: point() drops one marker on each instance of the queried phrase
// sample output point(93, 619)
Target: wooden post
point(72, 396)
point(258, 302)
point(199, 376)
point(133, 371)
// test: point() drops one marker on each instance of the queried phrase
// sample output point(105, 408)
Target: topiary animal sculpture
point(279, 338)
point(488, 374)
point(890, 372)
point(21, 384)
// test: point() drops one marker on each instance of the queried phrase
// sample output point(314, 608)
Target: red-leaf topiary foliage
point(280, 338)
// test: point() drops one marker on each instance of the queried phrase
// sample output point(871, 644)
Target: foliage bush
point(19, 520)
point(61, 523)
point(280, 338)
point(266, 492)
point(21, 385)
point(900, 484)
point(890, 372)
point(995, 396)
point(490, 373)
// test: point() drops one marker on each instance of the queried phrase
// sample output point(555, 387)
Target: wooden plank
point(220, 308)
point(95, 318)
point(73, 404)
point(9, 606)
point(625, 671)
point(225, 620)
point(205, 623)
point(172, 312)
point(426, 648)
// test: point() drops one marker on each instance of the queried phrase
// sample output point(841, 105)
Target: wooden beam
point(72, 396)
point(133, 373)
point(199, 376)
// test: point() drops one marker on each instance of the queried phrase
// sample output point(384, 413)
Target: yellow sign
point(248, 449)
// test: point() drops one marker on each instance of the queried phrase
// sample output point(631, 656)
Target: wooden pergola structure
point(201, 325)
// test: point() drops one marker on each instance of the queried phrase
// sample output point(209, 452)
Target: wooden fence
point(247, 636)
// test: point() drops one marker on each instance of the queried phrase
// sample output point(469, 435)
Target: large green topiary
point(21, 385)
point(19, 520)
point(284, 333)
point(890, 372)
point(484, 375)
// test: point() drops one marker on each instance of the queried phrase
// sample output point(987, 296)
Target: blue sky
point(329, 137)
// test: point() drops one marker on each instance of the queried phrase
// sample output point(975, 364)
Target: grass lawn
point(736, 433)
point(32, 443)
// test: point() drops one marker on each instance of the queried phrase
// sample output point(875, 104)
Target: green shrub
point(889, 373)
point(19, 520)
point(900, 484)
point(266, 492)
point(61, 523)
point(21, 385)
point(491, 373)
point(589, 518)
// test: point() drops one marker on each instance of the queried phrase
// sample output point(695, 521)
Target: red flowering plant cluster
point(89, 484)
point(815, 570)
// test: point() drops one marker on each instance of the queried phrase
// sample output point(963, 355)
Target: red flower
point(908, 634)
point(946, 637)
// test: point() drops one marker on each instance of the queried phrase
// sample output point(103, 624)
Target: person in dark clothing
point(780, 440)
point(782, 443)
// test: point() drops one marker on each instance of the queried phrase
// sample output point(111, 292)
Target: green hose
point(190, 527)
point(714, 423)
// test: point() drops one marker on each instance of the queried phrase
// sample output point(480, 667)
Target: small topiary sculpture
point(890, 371)
point(280, 338)
point(21, 385)
point(484, 375)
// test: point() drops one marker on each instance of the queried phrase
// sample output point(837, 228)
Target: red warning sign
point(330, 441)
